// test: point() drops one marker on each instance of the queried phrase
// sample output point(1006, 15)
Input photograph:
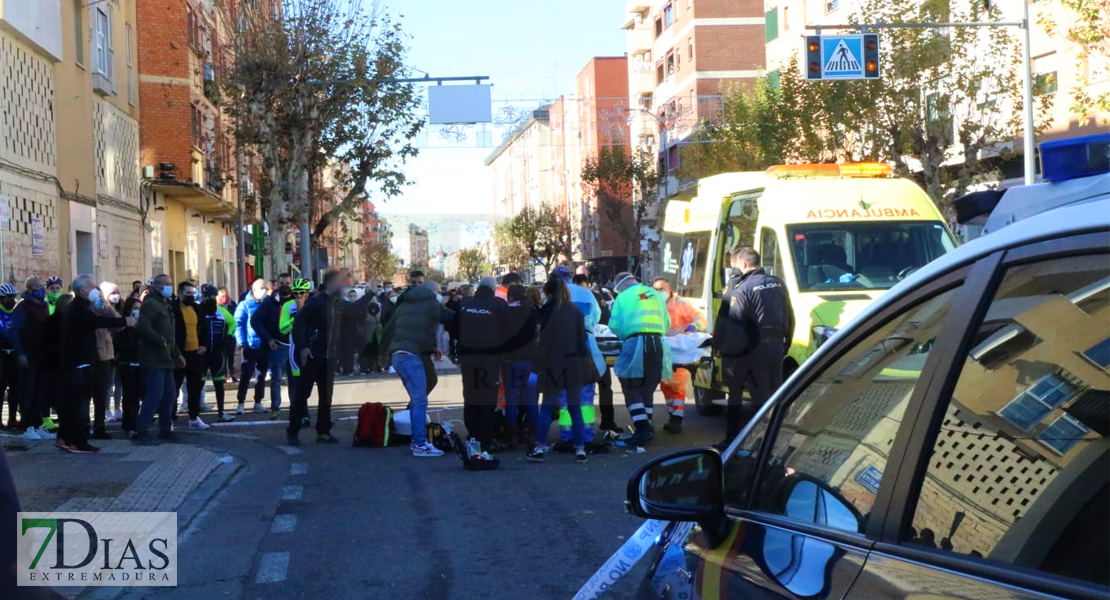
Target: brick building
point(186, 160)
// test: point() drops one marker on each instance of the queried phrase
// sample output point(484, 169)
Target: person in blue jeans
point(266, 323)
point(159, 355)
point(410, 336)
point(516, 373)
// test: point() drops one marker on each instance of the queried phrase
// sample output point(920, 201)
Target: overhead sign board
point(841, 57)
point(451, 104)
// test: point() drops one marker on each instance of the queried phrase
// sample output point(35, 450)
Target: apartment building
point(418, 247)
point(521, 166)
point(683, 54)
point(31, 196)
point(187, 162)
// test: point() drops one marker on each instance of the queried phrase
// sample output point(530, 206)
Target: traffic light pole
point(1030, 158)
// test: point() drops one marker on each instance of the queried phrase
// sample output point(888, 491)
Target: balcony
point(638, 6)
point(640, 41)
point(642, 83)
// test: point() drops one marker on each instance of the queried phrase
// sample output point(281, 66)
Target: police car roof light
point(1073, 158)
point(862, 169)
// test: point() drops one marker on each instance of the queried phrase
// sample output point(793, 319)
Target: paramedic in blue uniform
point(751, 334)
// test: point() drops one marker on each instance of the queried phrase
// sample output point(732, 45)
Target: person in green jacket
point(301, 289)
point(640, 319)
point(158, 357)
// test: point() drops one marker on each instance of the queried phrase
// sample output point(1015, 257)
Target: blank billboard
point(449, 104)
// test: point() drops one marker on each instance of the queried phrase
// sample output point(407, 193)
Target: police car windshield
point(863, 255)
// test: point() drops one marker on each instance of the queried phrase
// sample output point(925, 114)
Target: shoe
point(226, 418)
point(32, 434)
point(144, 439)
point(198, 424)
point(275, 415)
point(87, 448)
point(239, 409)
point(325, 438)
point(118, 416)
point(536, 454)
point(110, 417)
point(46, 435)
point(580, 455)
point(425, 450)
point(258, 408)
point(610, 426)
point(292, 440)
point(100, 434)
point(640, 438)
point(48, 424)
point(305, 422)
point(71, 448)
point(674, 425)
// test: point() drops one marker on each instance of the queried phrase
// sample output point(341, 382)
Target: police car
point(950, 442)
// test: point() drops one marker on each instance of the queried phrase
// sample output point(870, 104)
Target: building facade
point(187, 160)
point(521, 166)
point(31, 195)
point(418, 246)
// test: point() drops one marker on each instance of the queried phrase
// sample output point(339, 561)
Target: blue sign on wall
point(870, 478)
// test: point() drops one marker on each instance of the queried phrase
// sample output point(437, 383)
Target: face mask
point(135, 313)
point(39, 294)
point(113, 298)
point(222, 301)
point(53, 296)
point(729, 273)
point(7, 302)
point(188, 299)
point(167, 291)
point(258, 294)
point(393, 299)
point(94, 297)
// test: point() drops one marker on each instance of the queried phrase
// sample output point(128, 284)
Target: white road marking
point(283, 524)
point(273, 567)
point(298, 468)
point(290, 450)
point(292, 492)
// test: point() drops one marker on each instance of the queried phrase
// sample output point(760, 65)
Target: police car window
point(1020, 469)
point(839, 430)
point(863, 255)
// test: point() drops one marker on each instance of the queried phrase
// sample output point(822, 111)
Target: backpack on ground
point(375, 422)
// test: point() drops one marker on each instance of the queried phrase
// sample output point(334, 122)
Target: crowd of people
point(525, 352)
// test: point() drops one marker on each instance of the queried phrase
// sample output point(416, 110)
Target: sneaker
point(198, 424)
point(71, 448)
point(641, 437)
point(275, 415)
point(580, 455)
point(258, 408)
point(239, 409)
point(325, 438)
point(226, 418)
point(610, 427)
point(48, 424)
point(674, 425)
point(117, 417)
point(292, 440)
point(100, 434)
point(425, 450)
point(111, 417)
point(32, 434)
point(87, 448)
point(536, 454)
point(46, 435)
point(144, 439)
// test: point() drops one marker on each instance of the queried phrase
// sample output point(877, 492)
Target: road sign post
point(839, 57)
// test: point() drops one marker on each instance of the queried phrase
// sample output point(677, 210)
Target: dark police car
point(950, 443)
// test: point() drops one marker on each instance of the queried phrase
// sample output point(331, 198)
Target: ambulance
point(838, 235)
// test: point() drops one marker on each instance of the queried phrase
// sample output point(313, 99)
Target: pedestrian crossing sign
point(842, 56)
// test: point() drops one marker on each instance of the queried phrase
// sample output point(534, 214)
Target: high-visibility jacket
point(639, 310)
point(683, 314)
point(285, 320)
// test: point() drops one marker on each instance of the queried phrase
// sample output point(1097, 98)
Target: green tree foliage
point(541, 234)
point(378, 260)
point(623, 187)
point(1088, 31)
point(310, 84)
point(472, 264)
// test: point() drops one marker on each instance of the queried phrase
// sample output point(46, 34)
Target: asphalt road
point(343, 522)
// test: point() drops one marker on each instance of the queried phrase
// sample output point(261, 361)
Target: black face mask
point(7, 302)
point(188, 300)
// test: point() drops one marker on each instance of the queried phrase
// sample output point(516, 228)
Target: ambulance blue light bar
point(1074, 158)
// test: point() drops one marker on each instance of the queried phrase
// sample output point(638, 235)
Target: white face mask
point(113, 298)
point(393, 299)
point(258, 294)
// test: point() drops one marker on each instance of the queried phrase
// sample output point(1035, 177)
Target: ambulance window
point(769, 252)
point(672, 257)
point(692, 262)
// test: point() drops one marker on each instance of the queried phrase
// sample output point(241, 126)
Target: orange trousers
point(674, 392)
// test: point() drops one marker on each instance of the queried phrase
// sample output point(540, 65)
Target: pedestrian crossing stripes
point(292, 492)
point(283, 524)
point(273, 567)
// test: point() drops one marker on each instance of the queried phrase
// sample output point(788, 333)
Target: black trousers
point(29, 410)
point(195, 366)
point(131, 378)
point(73, 409)
point(215, 366)
point(9, 382)
point(481, 382)
point(102, 382)
point(760, 373)
point(605, 398)
point(253, 360)
point(318, 372)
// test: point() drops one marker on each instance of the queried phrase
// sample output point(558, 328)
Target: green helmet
point(302, 285)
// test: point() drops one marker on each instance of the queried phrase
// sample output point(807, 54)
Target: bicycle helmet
point(208, 291)
point(54, 280)
point(302, 285)
point(7, 290)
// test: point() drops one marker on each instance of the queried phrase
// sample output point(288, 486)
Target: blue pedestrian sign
point(842, 56)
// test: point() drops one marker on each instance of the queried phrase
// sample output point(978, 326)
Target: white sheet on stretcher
point(686, 348)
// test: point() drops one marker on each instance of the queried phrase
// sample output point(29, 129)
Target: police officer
point(481, 326)
point(752, 332)
point(640, 319)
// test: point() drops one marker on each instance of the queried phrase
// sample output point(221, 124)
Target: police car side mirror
point(683, 486)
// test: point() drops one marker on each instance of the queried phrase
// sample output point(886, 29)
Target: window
point(132, 84)
point(769, 252)
point(104, 58)
point(686, 257)
point(1044, 74)
point(668, 16)
point(658, 27)
point(690, 43)
point(771, 24)
point(79, 30)
point(831, 5)
point(196, 124)
point(1022, 480)
point(839, 430)
point(738, 230)
point(190, 26)
point(1099, 354)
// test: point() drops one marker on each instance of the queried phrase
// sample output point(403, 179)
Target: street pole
point(306, 241)
point(240, 234)
point(1027, 81)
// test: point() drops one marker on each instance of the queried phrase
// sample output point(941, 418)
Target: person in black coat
point(480, 326)
point(516, 371)
point(561, 361)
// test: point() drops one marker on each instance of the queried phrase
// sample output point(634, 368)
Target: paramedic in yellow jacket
point(685, 318)
point(640, 320)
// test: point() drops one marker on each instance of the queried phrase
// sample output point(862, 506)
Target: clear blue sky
point(529, 49)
